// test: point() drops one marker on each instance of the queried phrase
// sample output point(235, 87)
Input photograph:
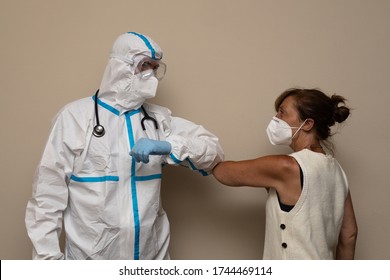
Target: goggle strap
point(124, 59)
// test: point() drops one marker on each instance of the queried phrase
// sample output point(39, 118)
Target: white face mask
point(280, 133)
point(136, 91)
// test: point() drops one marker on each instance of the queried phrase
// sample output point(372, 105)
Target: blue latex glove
point(146, 147)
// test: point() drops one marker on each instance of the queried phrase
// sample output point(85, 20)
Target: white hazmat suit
point(109, 203)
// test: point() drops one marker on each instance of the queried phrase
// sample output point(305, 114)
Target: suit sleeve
point(44, 212)
point(193, 146)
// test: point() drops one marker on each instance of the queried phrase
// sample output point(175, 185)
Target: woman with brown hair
point(309, 212)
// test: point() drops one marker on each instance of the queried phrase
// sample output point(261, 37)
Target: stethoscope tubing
point(99, 130)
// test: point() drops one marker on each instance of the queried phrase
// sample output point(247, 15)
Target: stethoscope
point(99, 130)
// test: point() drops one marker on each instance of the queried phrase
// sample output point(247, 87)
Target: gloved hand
point(145, 147)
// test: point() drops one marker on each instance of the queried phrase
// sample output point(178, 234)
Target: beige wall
point(227, 62)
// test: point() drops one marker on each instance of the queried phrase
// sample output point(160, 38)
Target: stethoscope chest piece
point(98, 131)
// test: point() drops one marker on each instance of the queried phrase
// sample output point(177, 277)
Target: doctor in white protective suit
point(100, 172)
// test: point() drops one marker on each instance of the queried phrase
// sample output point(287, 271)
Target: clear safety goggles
point(148, 67)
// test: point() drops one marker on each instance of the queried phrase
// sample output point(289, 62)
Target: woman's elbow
point(222, 174)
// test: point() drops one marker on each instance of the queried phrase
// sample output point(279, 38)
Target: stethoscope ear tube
point(147, 117)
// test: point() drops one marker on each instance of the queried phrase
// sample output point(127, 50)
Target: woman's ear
point(309, 124)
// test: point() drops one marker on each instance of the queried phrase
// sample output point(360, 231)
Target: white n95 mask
point(135, 91)
point(280, 133)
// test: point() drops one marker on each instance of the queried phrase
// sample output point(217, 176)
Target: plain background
point(227, 62)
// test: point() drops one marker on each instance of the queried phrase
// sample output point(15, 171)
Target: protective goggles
point(148, 67)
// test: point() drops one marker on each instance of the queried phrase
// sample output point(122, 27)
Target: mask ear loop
point(299, 128)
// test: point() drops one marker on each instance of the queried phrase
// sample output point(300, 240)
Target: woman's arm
point(348, 234)
point(269, 171)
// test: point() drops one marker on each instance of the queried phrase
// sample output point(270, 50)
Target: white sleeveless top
point(311, 229)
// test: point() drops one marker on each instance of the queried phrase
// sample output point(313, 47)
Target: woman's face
point(287, 112)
